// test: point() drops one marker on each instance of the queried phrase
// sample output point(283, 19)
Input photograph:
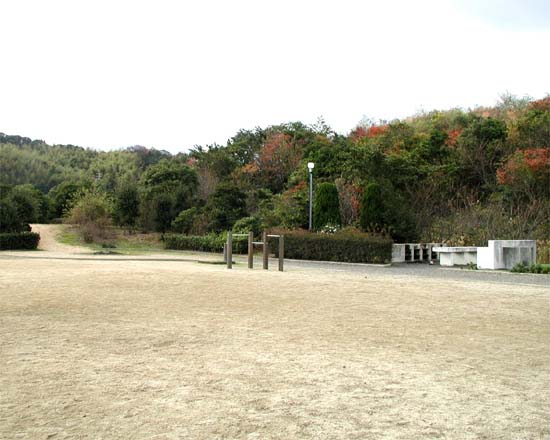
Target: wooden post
point(265, 250)
point(250, 250)
point(225, 252)
point(281, 252)
point(229, 250)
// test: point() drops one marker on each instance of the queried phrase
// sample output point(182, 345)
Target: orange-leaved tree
point(527, 173)
point(278, 158)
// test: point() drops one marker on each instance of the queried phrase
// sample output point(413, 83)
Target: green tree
point(215, 158)
point(288, 210)
point(30, 203)
point(9, 218)
point(332, 156)
point(384, 209)
point(534, 125)
point(109, 169)
point(326, 206)
point(481, 148)
point(226, 205)
point(245, 145)
point(62, 197)
point(126, 205)
point(167, 188)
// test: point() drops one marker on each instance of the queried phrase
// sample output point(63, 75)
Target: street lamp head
point(310, 165)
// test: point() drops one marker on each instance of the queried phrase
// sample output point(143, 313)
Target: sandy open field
point(169, 350)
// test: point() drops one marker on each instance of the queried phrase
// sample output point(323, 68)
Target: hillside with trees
point(456, 176)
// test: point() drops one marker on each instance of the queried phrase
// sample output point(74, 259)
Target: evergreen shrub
point(19, 240)
point(184, 221)
point(372, 208)
point(326, 206)
point(383, 210)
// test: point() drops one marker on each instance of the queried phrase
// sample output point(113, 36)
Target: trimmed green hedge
point(205, 243)
point(345, 247)
point(19, 240)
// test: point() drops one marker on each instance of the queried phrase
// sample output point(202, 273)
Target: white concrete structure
point(413, 252)
point(456, 256)
point(505, 254)
point(398, 253)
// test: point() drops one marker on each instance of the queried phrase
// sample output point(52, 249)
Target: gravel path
point(435, 272)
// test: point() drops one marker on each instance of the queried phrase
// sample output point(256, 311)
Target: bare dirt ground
point(168, 350)
point(48, 240)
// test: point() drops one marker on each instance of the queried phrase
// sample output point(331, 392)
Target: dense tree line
point(462, 176)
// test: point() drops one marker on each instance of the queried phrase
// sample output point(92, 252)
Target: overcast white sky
point(173, 74)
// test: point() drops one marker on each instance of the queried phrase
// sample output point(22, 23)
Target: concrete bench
point(505, 254)
point(457, 255)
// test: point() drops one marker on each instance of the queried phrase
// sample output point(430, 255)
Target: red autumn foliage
point(533, 163)
point(356, 194)
point(541, 104)
point(357, 134)
point(349, 194)
point(278, 158)
point(452, 138)
point(297, 188)
point(370, 132)
point(376, 130)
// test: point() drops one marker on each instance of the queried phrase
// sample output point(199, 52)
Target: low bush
point(92, 214)
point(205, 243)
point(19, 240)
point(351, 247)
point(533, 268)
point(184, 221)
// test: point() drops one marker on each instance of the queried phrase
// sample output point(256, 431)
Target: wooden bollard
point(250, 250)
point(281, 252)
point(229, 250)
point(266, 251)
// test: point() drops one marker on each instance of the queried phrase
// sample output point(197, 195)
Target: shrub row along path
point(167, 350)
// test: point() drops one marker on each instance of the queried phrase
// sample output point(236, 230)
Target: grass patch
point(122, 243)
point(70, 236)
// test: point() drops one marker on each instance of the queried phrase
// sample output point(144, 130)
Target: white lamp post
point(310, 166)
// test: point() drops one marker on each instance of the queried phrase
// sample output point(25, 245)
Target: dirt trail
point(48, 240)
